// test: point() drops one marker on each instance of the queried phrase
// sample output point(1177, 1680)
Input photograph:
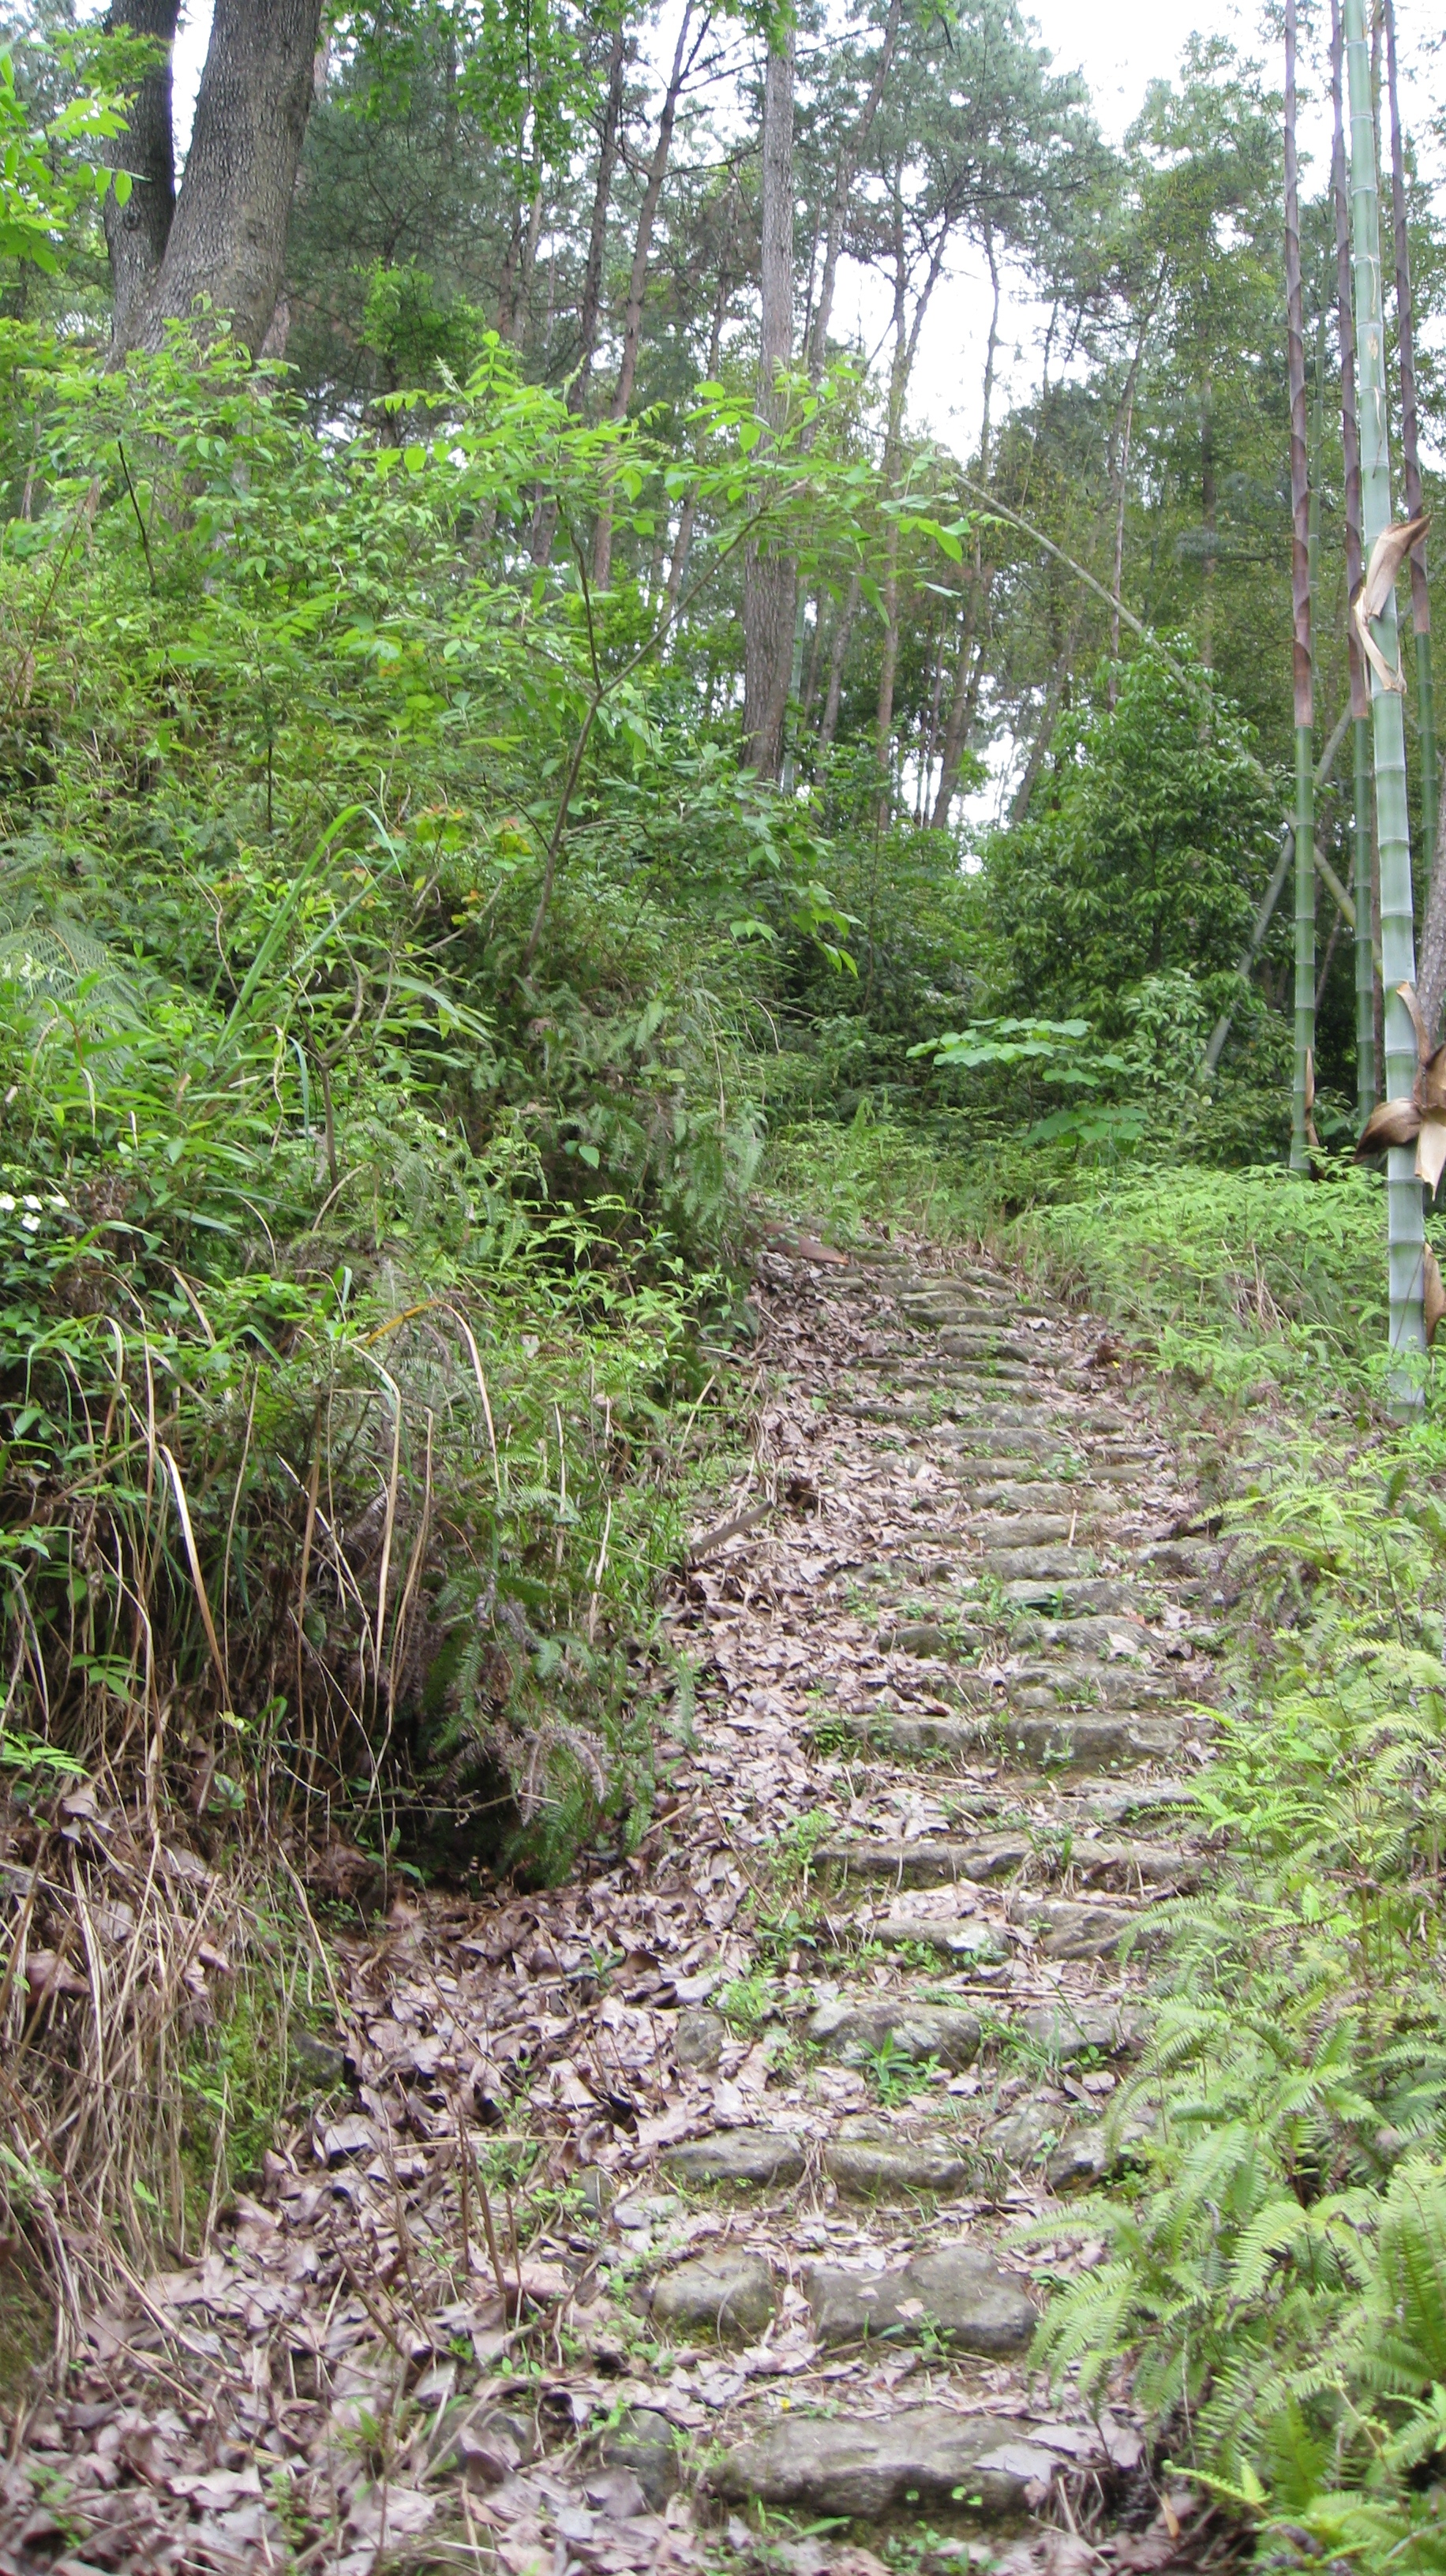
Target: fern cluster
point(1276, 2284)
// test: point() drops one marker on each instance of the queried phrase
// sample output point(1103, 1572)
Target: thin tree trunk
point(1122, 475)
point(838, 655)
point(682, 543)
point(527, 268)
point(815, 653)
point(1210, 565)
point(227, 241)
point(602, 549)
point(965, 692)
point(1301, 672)
point(1366, 1094)
point(1411, 451)
point(1044, 731)
point(768, 579)
point(137, 232)
point(602, 197)
point(1405, 1216)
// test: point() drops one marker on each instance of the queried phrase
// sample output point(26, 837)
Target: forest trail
point(750, 2122)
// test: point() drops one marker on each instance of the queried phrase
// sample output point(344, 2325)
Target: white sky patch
point(192, 38)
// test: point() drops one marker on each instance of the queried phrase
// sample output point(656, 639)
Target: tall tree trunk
point(1209, 565)
point(1123, 430)
point(843, 187)
point(1301, 672)
point(1405, 1215)
point(227, 241)
point(906, 347)
point(137, 232)
point(602, 547)
point(602, 195)
point(966, 678)
point(1411, 452)
point(769, 578)
point(1360, 696)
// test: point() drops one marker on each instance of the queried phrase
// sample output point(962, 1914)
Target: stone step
point(1038, 1563)
point(870, 2158)
point(993, 1443)
point(967, 1942)
point(1083, 1684)
point(1097, 1592)
point(1065, 2031)
point(1087, 1740)
point(1125, 1636)
point(927, 2458)
point(1012, 1533)
point(728, 2295)
point(1094, 1858)
point(1065, 1930)
point(854, 2030)
point(1086, 1686)
point(1183, 1556)
point(1076, 1741)
point(962, 1341)
point(753, 2159)
point(923, 1637)
point(1034, 1494)
point(956, 2292)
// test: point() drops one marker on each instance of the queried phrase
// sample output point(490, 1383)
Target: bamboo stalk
point(1355, 565)
point(1300, 571)
point(1411, 453)
point(1404, 1221)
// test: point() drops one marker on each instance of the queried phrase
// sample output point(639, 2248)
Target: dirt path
point(695, 2187)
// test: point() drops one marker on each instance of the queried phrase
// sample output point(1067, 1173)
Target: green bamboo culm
point(1405, 1226)
point(1303, 812)
point(1355, 565)
point(1411, 457)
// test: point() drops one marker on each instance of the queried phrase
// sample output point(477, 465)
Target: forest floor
point(673, 2218)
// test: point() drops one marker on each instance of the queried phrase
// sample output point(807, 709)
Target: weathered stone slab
point(855, 2031)
point(1096, 1592)
point(922, 2456)
point(751, 2157)
point(869, 2157)
point(1052, 1565)
point(928, 1863)
point(959, 2291)
point(646, 2443)
point(700, 2038)
point(959, 1938)
point(1076, 1740)
point(1066, 2031)
point(726, 2295)
point(1067, 1931)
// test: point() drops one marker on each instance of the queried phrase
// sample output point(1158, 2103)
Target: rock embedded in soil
point(699, 2039)
point(728, 2295)
point(754, 2157)
point(1065, 2031)
point(868, 2157)
point(959, 2291)
point(854, 2032)
point(646, 2443)
point(919, 2457)
point(955, 1937)
point(1066, 1931)
point(927, 1863)
point(1074, 1740)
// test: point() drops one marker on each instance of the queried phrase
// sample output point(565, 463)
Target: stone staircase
point(1011, 1757)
